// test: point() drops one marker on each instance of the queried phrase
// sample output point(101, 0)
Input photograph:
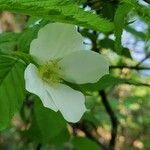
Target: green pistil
point(50, 72)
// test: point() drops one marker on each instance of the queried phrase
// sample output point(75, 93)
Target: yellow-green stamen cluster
point(50, 72)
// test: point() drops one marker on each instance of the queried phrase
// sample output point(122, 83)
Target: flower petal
point(84, 67)
point(36, 86)
point(69, 102)
point(56, 40)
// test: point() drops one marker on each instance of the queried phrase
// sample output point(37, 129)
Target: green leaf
point(25, 39)
point(84, 144)
point(80, 1)
point(137, 34)
point(104, 82)
point(66, 11)
point(108, 9)
point(29, 34)
point(11, 89)
point(8, 42)
point(46, 124)
point(142, 10)
point(120, 22)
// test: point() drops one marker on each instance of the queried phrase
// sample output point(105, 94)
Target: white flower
point(61, 56)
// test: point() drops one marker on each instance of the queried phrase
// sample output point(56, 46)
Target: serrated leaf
point(11, 89)
point(120, 21)
point(66, 11)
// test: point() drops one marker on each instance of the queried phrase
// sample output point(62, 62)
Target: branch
point(114, 122)
point(137, 83)
point(113, 119)
point(130, 67)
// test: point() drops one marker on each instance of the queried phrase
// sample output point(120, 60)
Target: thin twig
point(137, 83)
point(145, 58)
point(129, 67)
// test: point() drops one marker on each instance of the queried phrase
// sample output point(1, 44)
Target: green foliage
point(47, 125)
point(120, 22)
point(25, 39)
point(126, 88)
point(142, 10)
point(137, 34)
point(105, 82)
point(84, 143)
point(8, 42)
point(29, 34)
point(59, 11)
point(12, 91)
point(110, 44)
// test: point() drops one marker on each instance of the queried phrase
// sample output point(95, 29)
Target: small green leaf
point(11, 89)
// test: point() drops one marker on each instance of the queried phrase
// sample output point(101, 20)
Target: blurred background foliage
point(119, 104)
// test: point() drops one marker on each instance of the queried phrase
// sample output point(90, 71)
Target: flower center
point(51, 72)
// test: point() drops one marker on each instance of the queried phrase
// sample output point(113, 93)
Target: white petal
point(69, 102)
point(84, 67)
point(36, 86)
point(56, 40)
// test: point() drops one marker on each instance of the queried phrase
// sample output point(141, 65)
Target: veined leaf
point(66, 11)
point(11, 89)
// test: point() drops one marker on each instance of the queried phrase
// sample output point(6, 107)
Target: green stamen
point(50, 72)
